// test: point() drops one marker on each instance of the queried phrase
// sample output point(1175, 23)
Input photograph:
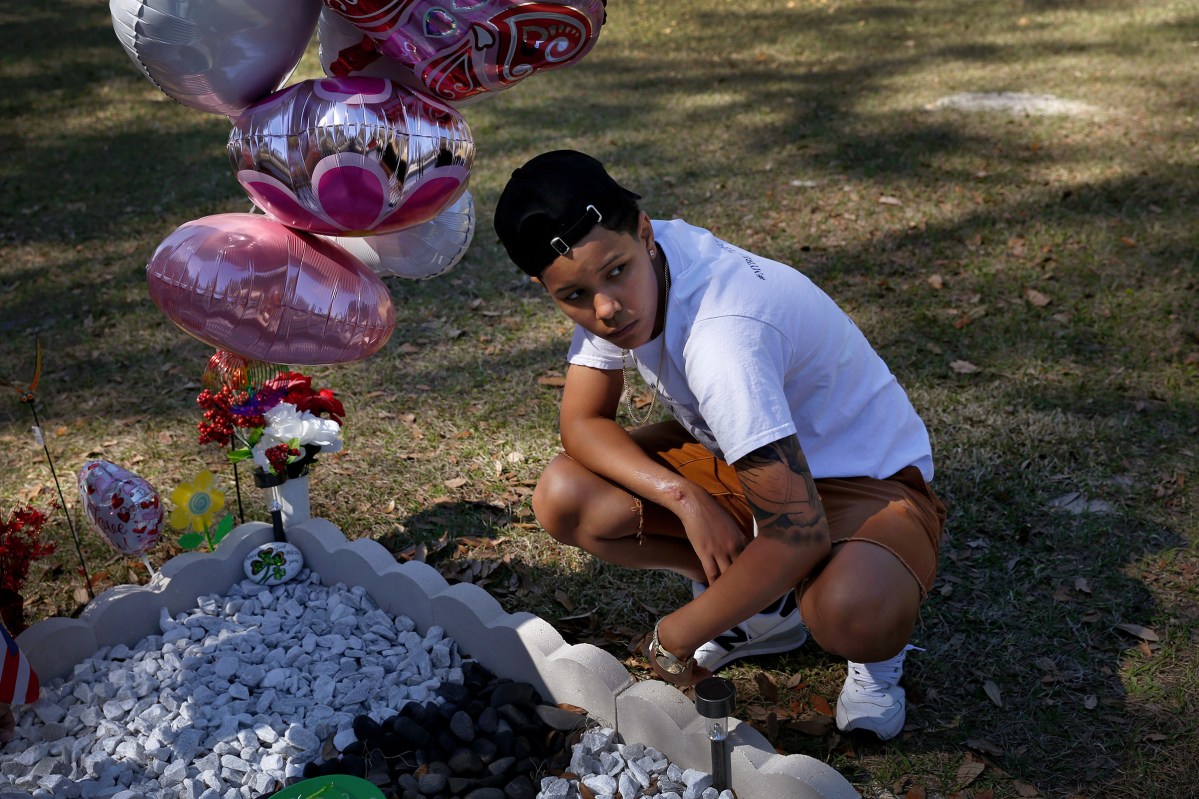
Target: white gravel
point(230, 700)
point(235, 697)
point(606, 767)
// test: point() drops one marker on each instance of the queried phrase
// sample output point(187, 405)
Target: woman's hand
point(714, 535)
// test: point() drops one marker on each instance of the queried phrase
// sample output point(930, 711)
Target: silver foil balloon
point(417, 253)
point(351, 156)
point(247, 284)
point(218, 56)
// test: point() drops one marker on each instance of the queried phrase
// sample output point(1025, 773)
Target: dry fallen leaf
point(985, 746)
point(1026, 789)
point(455, 482)
point(992, 692)
point(936, 281)
point(963, 367)
point(552, 380)
point(1144, 633)
point(887, 200)
point(820, 705)
point(817, 726)
point(767, 686)
point(1036, 298)
point(969, 771)
point(564, 599)
point(916, 792)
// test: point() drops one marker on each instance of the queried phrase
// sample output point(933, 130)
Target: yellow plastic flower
point(197, 502)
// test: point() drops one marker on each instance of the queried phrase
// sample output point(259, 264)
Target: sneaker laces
point(881, 675)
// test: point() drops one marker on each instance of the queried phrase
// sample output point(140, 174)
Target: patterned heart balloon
point(457, 49)
point(342, 156)
point(122, 507)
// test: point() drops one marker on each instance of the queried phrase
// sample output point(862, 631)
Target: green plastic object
point(335, 786)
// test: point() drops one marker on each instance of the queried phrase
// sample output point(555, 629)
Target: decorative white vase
point(292, 495)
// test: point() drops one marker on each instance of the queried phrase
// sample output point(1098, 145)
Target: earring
point(653, 253)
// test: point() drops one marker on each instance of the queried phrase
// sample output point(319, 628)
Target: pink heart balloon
point(247, 284)
point(457, 49)
point(122, 507)
point(346, 156)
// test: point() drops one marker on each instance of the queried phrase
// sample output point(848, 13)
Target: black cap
point(553, 201)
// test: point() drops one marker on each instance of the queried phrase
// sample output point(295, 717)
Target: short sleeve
point(588, 350)
point(736, 368)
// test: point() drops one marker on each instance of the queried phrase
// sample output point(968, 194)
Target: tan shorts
point(900, 514)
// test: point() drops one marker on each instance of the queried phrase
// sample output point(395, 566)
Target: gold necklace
point(627, 392)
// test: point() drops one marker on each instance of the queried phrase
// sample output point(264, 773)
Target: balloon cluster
point(358, 175)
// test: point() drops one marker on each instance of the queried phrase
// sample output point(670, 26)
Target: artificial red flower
point(323, 401)
point(21, 545)
point(294, 386)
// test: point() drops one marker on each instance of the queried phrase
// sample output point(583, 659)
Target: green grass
point(780, 125)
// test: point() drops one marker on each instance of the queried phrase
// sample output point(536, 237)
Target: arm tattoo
point(781, 492)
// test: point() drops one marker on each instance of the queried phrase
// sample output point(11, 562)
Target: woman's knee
point(862, 614)
point(580, 508)
point(556, 503)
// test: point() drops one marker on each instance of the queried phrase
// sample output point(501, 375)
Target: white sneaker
point(778, 628)
point(872, 698)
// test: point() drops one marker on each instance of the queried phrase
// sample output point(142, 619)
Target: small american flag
point(18, 682)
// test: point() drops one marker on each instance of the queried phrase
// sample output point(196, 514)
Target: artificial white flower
point(285, 423)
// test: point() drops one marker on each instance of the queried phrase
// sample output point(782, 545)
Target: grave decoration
point(20, 545)
point(198, 505)
point(278, 561)
point(281, 425)
point(123, 508)
point(376, 148)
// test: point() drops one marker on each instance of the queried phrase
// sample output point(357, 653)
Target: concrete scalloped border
point(520, 646)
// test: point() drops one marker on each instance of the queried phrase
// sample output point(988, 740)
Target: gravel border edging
point(520, 646)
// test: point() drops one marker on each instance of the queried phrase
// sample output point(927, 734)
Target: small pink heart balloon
point(349, 156)
point(122, 507)
point(247, 284)
point(458, 49)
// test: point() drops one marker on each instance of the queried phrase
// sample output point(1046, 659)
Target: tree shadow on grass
point(1010, 607)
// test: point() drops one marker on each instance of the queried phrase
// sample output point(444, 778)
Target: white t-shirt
point(756, 352)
